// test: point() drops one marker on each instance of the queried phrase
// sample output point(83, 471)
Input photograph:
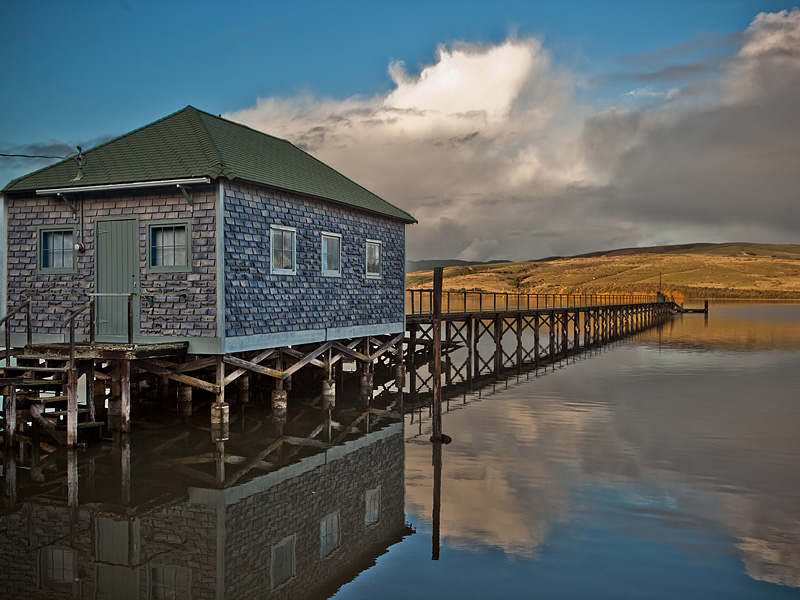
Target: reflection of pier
point(288, 507)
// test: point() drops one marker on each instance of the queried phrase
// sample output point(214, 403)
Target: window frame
point(40, 234)
point(324, 549)
point(290, 540)
point(379, 244)
point(372, 506)
point(180, 574)
point(185, 268)
point(272, 269)
point(330, 272)
point(46, 567)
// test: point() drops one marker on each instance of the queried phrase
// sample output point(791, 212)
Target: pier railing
point(420, 302)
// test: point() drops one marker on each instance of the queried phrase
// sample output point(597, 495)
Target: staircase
point(37, 390)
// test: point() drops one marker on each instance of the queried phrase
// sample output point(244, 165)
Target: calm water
point(663, 466)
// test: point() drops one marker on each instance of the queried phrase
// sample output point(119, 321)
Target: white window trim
point(328, 272)
point(366, 245)
point(375, 493)
point(41, 230)
point(184, 268)
point(289, 539)
point(272, 269)
point(325, 552)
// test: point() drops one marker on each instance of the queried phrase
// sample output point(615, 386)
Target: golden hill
point(733, 270)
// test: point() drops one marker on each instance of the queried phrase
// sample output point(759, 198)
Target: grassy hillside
point(733, 270)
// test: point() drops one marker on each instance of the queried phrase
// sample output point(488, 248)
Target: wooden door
point(116, 272)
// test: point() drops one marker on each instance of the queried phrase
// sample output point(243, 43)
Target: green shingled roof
point(193, 143)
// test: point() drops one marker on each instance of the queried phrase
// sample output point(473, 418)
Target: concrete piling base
point(185, 401)
point(328, 393)
point(220, 421)
point(244, 389)
point(366, 385)
point(280, 400)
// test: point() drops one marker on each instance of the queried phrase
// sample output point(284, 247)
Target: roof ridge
point(242, 125)
point(206, 140)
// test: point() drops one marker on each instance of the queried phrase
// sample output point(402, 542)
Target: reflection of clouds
point(705, 445)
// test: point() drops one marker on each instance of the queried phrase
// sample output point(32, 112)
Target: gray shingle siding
point(55, 295)
point(258, 302)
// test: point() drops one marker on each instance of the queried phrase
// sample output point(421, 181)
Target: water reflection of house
point(299, 530)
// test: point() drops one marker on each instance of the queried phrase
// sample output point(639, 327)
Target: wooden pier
point(73, 391)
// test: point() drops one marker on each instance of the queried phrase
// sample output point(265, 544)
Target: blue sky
point(558, 105)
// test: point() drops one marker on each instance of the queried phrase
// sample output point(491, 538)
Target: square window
point(283, 564)
point(168, 247)
point(372, 513)
point(329, 534)
point(283, 248)
point(56, 567)
point(331, 255)
point(374, 259)
point(57, 250)
point(169, 582)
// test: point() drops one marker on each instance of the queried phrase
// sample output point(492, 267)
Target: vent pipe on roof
point(79, 159)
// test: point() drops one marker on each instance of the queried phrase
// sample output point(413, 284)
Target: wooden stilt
point(437, 354)
point(72, 408)
point(10, 415)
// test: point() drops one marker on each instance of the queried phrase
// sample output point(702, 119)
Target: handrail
point(420, 301)
point(29, 330)
point(71, 321)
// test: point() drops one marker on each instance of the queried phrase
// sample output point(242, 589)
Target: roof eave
point(122, 186)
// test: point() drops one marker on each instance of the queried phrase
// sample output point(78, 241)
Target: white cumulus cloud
point(489, 149)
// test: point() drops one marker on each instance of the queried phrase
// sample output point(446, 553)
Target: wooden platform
point(104, 350)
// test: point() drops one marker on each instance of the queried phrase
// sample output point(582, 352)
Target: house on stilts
point(196, 250)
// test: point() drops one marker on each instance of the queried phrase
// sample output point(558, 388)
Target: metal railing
point(420, 302)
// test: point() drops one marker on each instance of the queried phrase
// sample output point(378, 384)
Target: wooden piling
point(438, 274)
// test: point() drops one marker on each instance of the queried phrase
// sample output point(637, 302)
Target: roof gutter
point(122, 186)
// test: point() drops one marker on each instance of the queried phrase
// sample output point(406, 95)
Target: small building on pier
point(225, 237)
point(181, 248)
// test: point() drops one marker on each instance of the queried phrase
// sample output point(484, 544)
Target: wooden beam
point(246, 365)
point(259, 358)
point(36, 411)
point(306, 359)
point(254, 462)
point(187, 379)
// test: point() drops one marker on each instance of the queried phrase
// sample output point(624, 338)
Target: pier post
point(185, 401)
point(552, 336)
point(243, 388)
point(72, 407)
point(498, 344)
point(119, 405)
point(163, 388)
point(470, 347)
point(438, 274)
point(328, 393)
point(220, 411)
point(536, 339)
point(576, 331)
point(519, 340)
point(10, 415)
